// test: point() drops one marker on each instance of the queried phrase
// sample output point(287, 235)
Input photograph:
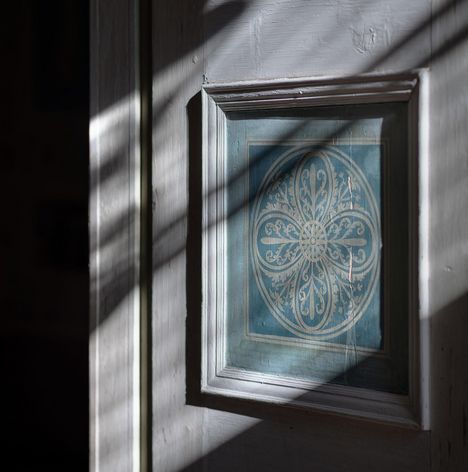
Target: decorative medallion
point(315, 242)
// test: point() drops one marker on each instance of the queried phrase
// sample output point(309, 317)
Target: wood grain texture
point(271, 39)
point(114, 237)
point(281, 38)
point(217, 378)
point(225, 41)
point(448, 250)
point(177, 76)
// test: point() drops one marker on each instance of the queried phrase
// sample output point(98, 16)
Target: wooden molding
point(114, 209)
point(219, 379)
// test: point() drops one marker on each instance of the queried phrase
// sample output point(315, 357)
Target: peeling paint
point(364, 41)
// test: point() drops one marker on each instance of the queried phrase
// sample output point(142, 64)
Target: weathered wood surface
point(228, 41)
point(177, 77)
point(448, 281)
point(114, 238)
point(281, 38)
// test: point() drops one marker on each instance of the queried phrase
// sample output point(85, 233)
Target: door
point(191, 43)
point(216, 42)
point(220, 41)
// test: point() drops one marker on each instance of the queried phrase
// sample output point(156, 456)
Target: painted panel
point(305, 247)
point(298, 38)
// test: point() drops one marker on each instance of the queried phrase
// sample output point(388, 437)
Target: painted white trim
point(217, 379)
point(114, 208)
point(424, 258)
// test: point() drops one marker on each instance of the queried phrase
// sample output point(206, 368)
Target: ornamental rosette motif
point(315, 242)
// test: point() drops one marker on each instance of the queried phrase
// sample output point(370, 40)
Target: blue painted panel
point(314, 265)
point(304, 278)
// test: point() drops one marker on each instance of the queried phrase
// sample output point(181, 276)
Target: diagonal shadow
point(293, 427)
point(170, 232)
point(174, 246)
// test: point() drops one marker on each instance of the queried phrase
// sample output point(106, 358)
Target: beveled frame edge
point(219, 98)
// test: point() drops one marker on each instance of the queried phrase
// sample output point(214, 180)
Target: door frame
point(115, 238)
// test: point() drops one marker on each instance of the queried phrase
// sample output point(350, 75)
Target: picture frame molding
point(216, 379)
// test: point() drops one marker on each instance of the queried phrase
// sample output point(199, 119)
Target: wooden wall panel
point(225, 41)
point(177, 77)
point(282, 38)
point(114, 237)
point(448, 243)
point(222, 40)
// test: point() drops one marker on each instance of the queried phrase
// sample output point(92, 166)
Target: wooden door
point(216, 42)
point(193, 42)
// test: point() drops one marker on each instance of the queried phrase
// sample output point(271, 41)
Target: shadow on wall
point(293, 429)
point(169, 235)
point(448, 323)
point(344, 437)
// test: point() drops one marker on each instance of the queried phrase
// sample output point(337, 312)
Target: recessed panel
point(309, 241)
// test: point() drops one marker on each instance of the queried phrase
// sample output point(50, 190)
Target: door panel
point(223, 41)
